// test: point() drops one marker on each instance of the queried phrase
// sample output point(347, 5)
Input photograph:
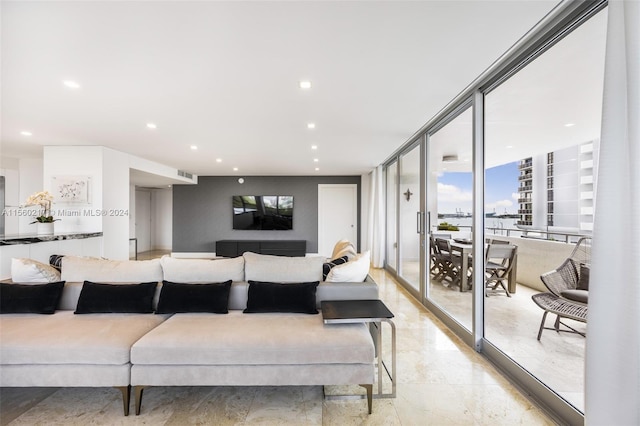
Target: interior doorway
point(143, 220)
point(337, 215)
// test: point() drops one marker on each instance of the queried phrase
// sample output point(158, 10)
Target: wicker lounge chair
point(568, 294)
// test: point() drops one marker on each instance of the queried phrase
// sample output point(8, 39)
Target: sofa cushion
point(581, 296)
point(30, 298)
point(65, 338)
point(96, 298)
point(261, 267)
point(355, 270)
point(180, 297)
point(326, 267)
point(282, 297)
point(202, 270)
point(79, 269)
point(32, 271)
point(240, 339)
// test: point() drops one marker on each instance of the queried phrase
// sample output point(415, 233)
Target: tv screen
point(263, 212)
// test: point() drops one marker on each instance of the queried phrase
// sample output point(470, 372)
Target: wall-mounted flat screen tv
point(263, 212)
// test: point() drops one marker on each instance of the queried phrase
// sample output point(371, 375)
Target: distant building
point(556, 190)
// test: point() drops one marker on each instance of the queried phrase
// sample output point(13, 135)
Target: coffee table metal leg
point(381, 363)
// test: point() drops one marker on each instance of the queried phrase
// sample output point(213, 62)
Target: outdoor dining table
point(465, 249)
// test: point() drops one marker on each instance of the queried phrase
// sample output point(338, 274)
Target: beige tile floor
point(440, 381)
point(512, 325)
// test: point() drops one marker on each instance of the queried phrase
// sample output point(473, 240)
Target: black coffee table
point(366, 311)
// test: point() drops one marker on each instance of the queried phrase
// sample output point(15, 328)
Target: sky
point(455, 191)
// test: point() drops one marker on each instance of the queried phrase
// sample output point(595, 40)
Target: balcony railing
point(525, 188)
point(528, 176)
point(541, 234)
point(525, 165)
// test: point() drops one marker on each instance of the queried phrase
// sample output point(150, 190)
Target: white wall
point(115, 202)
point(30, 182)
point(76, 161)
point(162, 219)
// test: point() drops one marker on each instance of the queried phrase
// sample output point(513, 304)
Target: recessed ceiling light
point(569, 124)
point(194, 147)
point(314, 146)
point(317, 169)
point(71, 84)
point(218, 160)
point(25, 133)
point(152, 125)
point(235, 169)
point(315, 160)
point(509, 146)
point(305, 84)
point(311, 125)
point(168, 186)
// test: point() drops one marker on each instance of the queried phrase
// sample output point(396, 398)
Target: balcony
point(525, 188)
point(527, 176)
point(525, 165)
point(511, 323)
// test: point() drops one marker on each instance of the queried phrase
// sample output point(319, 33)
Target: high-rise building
point(556, 189)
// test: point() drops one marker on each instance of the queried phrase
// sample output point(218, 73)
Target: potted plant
point(45, 220)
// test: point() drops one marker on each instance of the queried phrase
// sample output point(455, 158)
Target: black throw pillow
point(55, 260)
point(30, 298)
point(98, 298)
point(179, 297)
point(280, 297)
point(326, 267)
point(583, 281)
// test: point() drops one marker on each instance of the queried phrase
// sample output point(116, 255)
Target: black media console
point(234, 248)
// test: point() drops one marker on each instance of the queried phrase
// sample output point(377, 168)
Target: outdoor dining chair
point(500, 260)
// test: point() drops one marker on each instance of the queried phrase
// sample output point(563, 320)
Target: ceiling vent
point(185, 174)
point(449, 158)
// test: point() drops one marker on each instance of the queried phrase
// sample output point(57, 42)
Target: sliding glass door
point(409, 216)
point(512, 163)
point(450, 206)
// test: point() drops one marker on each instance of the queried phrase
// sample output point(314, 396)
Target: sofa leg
point(137, 390)
point(126, 397)
point(369, 389)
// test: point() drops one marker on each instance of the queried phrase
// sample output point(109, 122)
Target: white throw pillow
point(27, 271)
point(354, 271)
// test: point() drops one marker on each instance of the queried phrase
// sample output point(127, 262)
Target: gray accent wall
point(202, 213)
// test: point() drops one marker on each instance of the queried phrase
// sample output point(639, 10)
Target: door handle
point(419, 222)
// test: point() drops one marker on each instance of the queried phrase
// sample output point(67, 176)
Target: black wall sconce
point(408, 194)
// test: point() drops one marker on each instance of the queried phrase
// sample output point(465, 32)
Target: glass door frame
point(471, 337)
point(417, 142)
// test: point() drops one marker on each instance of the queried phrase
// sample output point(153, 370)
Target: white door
point(337, 215)
point(143, 220)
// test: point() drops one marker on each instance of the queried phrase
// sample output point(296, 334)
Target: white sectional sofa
point(188, 348)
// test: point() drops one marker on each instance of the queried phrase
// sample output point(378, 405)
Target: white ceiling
point(224, 76)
